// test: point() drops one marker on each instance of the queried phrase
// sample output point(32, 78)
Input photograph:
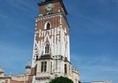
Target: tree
point(61, 80)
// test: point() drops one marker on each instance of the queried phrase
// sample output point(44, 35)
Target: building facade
point(51, 53)
point(18, 78)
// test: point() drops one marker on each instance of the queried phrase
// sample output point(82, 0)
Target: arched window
point(48, 26)
point(47, 48)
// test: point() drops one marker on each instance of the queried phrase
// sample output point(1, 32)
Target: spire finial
point(28, 65)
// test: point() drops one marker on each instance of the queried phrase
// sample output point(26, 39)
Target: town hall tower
point(51, 52)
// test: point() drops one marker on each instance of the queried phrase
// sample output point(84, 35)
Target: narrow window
point(35, 70)
point(41, 66)
point(45, 66)
point(36, 57)
point(56, 64)
point(69, 69)
point(48, 26)
point(47, 48)
point(51, 68)
point(65, 67)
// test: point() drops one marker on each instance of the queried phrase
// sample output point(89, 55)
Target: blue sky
point(93, 36)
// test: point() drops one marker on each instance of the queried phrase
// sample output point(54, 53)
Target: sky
point(93, 36)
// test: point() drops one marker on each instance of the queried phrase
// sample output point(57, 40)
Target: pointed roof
point(28, 65)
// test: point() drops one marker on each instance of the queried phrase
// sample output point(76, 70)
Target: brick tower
point(51, 52)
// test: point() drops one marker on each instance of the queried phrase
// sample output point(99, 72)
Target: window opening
point(65, 68)
point(43, 66)
point(48, 26)
point(47, 48)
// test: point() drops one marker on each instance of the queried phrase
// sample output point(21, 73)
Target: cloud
point(96, 67)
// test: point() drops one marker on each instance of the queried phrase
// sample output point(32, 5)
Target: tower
point(51, 52)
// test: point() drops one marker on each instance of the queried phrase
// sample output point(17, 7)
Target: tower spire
point(28, 67)
point(1, 71)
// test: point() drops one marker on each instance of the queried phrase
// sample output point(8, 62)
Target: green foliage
point(61, 80)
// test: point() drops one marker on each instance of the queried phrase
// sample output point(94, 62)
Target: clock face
point(49, 7)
